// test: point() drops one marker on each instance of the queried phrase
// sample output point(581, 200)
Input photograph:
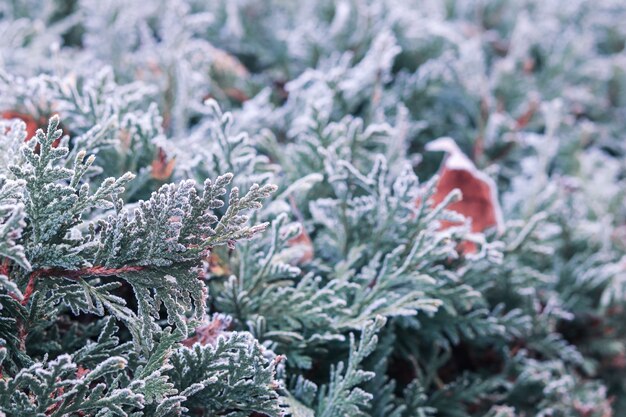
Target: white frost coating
point(455, 159)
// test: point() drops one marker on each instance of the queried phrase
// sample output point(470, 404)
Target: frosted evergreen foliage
point(227, 208)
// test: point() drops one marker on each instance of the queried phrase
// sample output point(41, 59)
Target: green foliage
point(137, 277)
point(234, 377)
point(342, 396)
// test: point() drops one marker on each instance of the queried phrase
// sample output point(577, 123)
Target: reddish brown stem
point(4, 267)
point(523, 120)
point(97, 271)
point(30, 288)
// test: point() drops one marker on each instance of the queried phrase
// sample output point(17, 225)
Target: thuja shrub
point(326, 208)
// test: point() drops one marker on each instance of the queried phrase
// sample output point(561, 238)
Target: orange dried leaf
point(480, 201)
point(31, 123)
point(162, 168)
point(300, 248)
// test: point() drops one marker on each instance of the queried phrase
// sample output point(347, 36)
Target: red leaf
point(480, 197)
point(301, 247)
point(162, 168)
point(31, 123)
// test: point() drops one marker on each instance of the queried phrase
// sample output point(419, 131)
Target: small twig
point(94, 271)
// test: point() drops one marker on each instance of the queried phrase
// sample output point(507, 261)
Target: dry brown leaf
point(480, 199)
point(300, 248)
point(162, 168)
point(31, 124)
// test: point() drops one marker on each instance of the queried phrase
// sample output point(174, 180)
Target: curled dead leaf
point(162, 168)
point(480, 199)
point(300, 248)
